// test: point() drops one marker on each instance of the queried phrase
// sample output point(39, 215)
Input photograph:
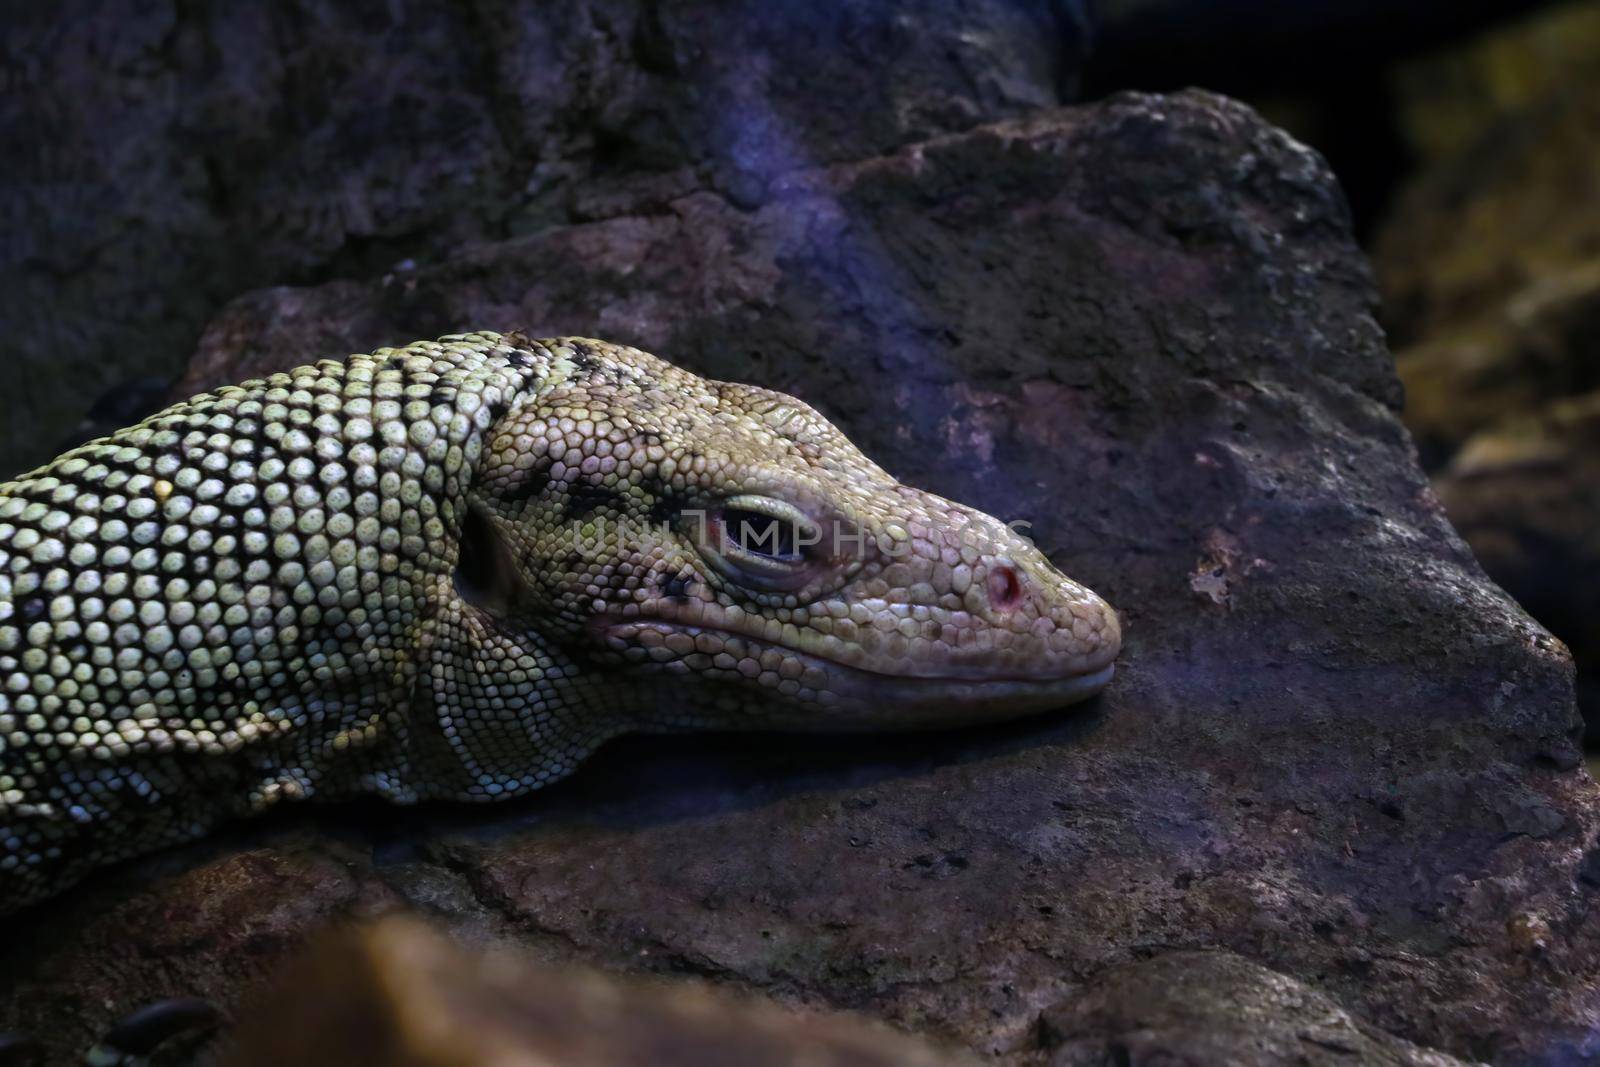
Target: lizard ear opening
point(485, 574)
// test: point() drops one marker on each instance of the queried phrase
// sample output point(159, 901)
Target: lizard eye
point(760, 534)
point(761, 542)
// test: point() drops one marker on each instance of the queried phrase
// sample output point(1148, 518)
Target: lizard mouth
point(883, 699)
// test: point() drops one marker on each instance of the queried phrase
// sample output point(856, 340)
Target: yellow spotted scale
point(451, 570)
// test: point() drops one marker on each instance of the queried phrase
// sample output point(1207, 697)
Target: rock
point(1213, 1007)
point(399, 994)
point(1491, 274)
point(1526, 496)
point(1320, 69)
point(162, 158)
point(1345, 756)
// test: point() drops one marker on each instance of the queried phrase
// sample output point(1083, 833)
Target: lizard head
point(730, 542)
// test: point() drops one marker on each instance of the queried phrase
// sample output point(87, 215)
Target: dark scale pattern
point(261, 594)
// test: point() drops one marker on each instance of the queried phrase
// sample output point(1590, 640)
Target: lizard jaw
point(928, 703)
point(854, 697)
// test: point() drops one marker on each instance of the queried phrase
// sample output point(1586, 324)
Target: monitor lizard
point(451, 570)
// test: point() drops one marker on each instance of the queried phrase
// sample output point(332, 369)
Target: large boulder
point(1526, 495)
point(1334, 749)
point(1212, 1007)
point(163, 158)
point(1490, 264)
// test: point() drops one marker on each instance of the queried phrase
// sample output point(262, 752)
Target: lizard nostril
point(1005, 588)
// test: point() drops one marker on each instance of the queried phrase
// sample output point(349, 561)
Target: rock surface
point(1491, 274)
point(1526, 496)
point(396, 993)
point(1213, 1008)
point(163, 158)
point(1334, 748)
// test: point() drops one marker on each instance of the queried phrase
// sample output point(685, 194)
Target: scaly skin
point(453, 569)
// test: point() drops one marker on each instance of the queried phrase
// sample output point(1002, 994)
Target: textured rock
point(1491, 276)
point(1213, 1007)
point(1526, 496)
point(1334, 748)
point(398, 994)
point(163, 158)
